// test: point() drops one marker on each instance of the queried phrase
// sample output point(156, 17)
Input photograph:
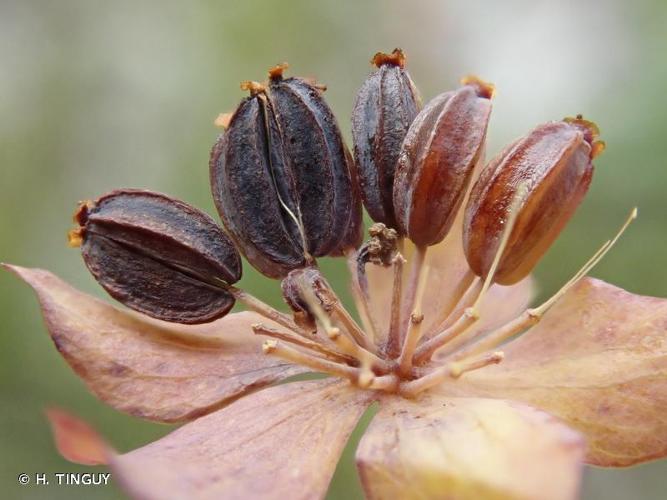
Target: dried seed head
point(158, 255)
point(281, 177)
point(386, 105)
point(437, 159)
point(554, 162)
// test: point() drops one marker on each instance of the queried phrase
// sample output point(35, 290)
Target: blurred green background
point(96, 95)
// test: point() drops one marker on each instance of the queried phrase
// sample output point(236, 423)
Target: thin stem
point(360, 298)
point(452, 370)
point(366, 376)
point(458, 368)
point(513, 213)
point(527, 319)
point(355, 350)
point(428, 348)
point(394, 332)
point(263, 309)
point(452, 343)
point(338, 312)
point(471, 314)
point(461, 290)
point(288, 353)
point(387, 383)
point(288, 336)
point(408, 303)
point(414, 329)
point(532, 316)
point(413, 278)
point(341, 314)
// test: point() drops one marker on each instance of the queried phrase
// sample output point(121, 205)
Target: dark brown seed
point(554, 162)
point(158, 255)
point(281, 177)
point(386, 105)
point(437, 160)
point(355, 226)
point(246, 195)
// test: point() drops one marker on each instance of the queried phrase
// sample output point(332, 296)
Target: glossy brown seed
point(281, 177)
point(437, 160)
point(158, 255)
point(554, 162)
point(386, 105)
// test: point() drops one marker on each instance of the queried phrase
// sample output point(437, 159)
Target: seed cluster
point(288, 191)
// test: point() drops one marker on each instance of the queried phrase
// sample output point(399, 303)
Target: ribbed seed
point(158, 255)
point(386, 105)
point(554, 162)
point(282, 179)
point(437, 159)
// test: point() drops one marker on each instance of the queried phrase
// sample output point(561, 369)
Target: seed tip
point(591, 133)
point(222, 121)
point(396, 58)
point(253, 87)
point(75, 237)
point(276, 72)
point(80, 216)
point(484, 89)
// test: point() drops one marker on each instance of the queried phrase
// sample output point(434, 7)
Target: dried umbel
point(431, 331)
point(158, 255)
point(553, 161)
point(386, 104)
point(439, 153)
point(281, 177)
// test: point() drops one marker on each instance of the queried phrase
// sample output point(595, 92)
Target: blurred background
point(96, 95)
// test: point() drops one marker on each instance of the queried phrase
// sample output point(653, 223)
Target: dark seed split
point(281, 177)
point(386, 105)
point(158, 255)
point(437, 159)
point(554, 162)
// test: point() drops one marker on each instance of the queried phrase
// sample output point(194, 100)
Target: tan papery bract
point(468, 448)
point(149, 368)
point(598, 360)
